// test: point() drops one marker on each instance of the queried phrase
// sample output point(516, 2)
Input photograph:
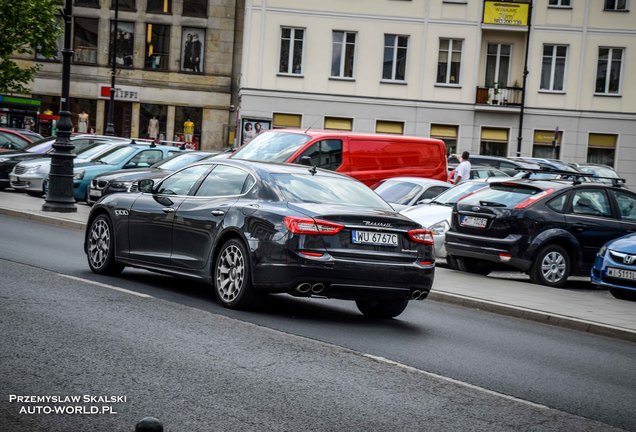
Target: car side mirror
point(305, 160)
point(146, 185)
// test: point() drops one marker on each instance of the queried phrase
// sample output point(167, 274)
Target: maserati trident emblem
point(377, 224)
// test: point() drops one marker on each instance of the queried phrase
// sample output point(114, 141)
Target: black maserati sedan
point(252, 228)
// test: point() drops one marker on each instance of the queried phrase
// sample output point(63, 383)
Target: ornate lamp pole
point(525, 77)
point(110, 127)
point(59, 197)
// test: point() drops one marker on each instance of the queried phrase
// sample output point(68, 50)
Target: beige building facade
point(452, 69)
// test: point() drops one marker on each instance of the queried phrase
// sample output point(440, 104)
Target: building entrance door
point(122, 118)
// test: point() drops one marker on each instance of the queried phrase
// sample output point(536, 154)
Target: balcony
point(499, 97)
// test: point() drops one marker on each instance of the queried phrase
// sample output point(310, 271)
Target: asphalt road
point(295, 364)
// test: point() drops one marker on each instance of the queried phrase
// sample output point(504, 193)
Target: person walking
point(462, 172)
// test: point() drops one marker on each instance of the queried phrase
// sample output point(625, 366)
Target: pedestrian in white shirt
point(462, 172)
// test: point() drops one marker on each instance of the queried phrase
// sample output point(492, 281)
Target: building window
point(291, 50)
point(498, 65)
point(394, 66)
point(125, 41)
point(553, 67)
point(184, 131)
point(616, 5)
point(389, 127)
point(87, 3)
point(344, 44)
point(338, 123)
point(608, 72)
point(124, 5)
point(281, 120)
point(85, 40)
point(601, 148)
point(448, 65)
point(157, 47)
point(153, 120)
point(547, 144)
point(494, 142)
point(565, 3)
point(159, 6)
point(59, 42)
point(448, 134)
point(195, 8)
point(192, 49)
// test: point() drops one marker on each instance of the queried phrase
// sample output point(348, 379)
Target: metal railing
point(500, 96)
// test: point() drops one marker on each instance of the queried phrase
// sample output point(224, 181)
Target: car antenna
point(312, 125)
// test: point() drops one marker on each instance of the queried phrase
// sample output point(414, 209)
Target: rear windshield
point(501, 195)
point(305, 188)
point(272, 147)
point(452, 195)
point(398, 192)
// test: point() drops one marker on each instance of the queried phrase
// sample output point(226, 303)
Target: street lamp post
point(59, 196)
point(523, 85)
point(110, 127)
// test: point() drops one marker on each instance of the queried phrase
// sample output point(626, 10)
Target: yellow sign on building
point(506, 13)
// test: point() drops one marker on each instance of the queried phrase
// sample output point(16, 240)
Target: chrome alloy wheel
point(230, 273)
point(553, 267)
point(99, 243)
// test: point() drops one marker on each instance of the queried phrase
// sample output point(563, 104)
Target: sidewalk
point(594, 311)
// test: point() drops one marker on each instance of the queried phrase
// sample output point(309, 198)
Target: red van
point(366, 157)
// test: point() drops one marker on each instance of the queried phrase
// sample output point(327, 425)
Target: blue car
point(615, 267)
point(134, 155)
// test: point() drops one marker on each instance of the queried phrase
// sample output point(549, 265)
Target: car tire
point(35, 194)
point(100, 244)
point(551, 267)
point(232, 280)
point(474, 266)
point(622, 294)
point(452, 262)
point(381, 308)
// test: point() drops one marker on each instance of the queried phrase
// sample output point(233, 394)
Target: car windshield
point(501, 195)
point(452, 195)
point(90, 152)
point(307, 188)
point(117, 155)
point(272, 146)
point(599, 171)
point(40, 146)
point(398, 192)
point(179, 161)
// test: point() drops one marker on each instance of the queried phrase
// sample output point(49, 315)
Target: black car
point(550, 229)
point(43, 148)
point(126, 180)
point(250, 228)
point(506, 165)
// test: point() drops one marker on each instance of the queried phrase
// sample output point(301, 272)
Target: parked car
point(615, 267)
point(251, 228)
point(435, 214)
point(550, 229)
point(29, 176)
point(479, 172)
point(363, 156)
point(600, 173)
point(134, 155)
point(27, 133)
point(403, 192)
point(43, 148)
point(510, 167)
point(126, 180)
point(11, 139)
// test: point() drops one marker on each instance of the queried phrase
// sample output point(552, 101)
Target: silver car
point(403, 192)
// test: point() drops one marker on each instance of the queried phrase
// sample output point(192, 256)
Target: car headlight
point(121, 185)
point(602, 251)
point(78, 175)
point(32, 170)
point(440, 227)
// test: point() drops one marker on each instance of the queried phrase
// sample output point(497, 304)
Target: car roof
point(259, 167)
point(320, 133)
point(417, 180)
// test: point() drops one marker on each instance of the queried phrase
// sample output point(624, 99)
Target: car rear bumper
point(508, 251)
point(345, 279)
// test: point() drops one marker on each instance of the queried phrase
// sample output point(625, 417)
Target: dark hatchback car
point(251, 228)
point(550, 229)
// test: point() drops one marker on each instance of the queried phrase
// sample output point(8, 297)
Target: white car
point(435, 215)
point(402, 192)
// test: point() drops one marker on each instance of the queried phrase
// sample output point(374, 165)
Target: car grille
point(19, 169)
point(98, 184)
point(18, 183)
point(624, 258)
point(622, 282)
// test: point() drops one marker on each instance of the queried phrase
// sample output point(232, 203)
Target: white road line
point(454, 381)
point(106, 286)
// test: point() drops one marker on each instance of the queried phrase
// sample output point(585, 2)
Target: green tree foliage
point(26, 26)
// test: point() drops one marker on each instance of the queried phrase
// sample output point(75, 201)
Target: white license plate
point(621, 274)
point(374, 238)
point(472, 221)
point(95, 193)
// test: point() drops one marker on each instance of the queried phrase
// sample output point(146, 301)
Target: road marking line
point(454, 381)
point(106, 286)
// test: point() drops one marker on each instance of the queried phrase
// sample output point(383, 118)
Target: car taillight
point(311, 226)
point(534, 198)
point(423, 236)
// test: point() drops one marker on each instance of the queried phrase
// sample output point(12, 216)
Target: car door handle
point(167, 210)
point(217, 212)
point(579, 227)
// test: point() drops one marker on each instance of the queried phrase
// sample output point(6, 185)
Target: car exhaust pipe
point(415, 295)
point(317, 288)
point(303, 288)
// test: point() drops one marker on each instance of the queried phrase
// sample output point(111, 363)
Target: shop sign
point(506, 13)
point(122, 93)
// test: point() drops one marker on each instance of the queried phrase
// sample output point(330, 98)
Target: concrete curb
point(534, 315)
point(51, 220)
